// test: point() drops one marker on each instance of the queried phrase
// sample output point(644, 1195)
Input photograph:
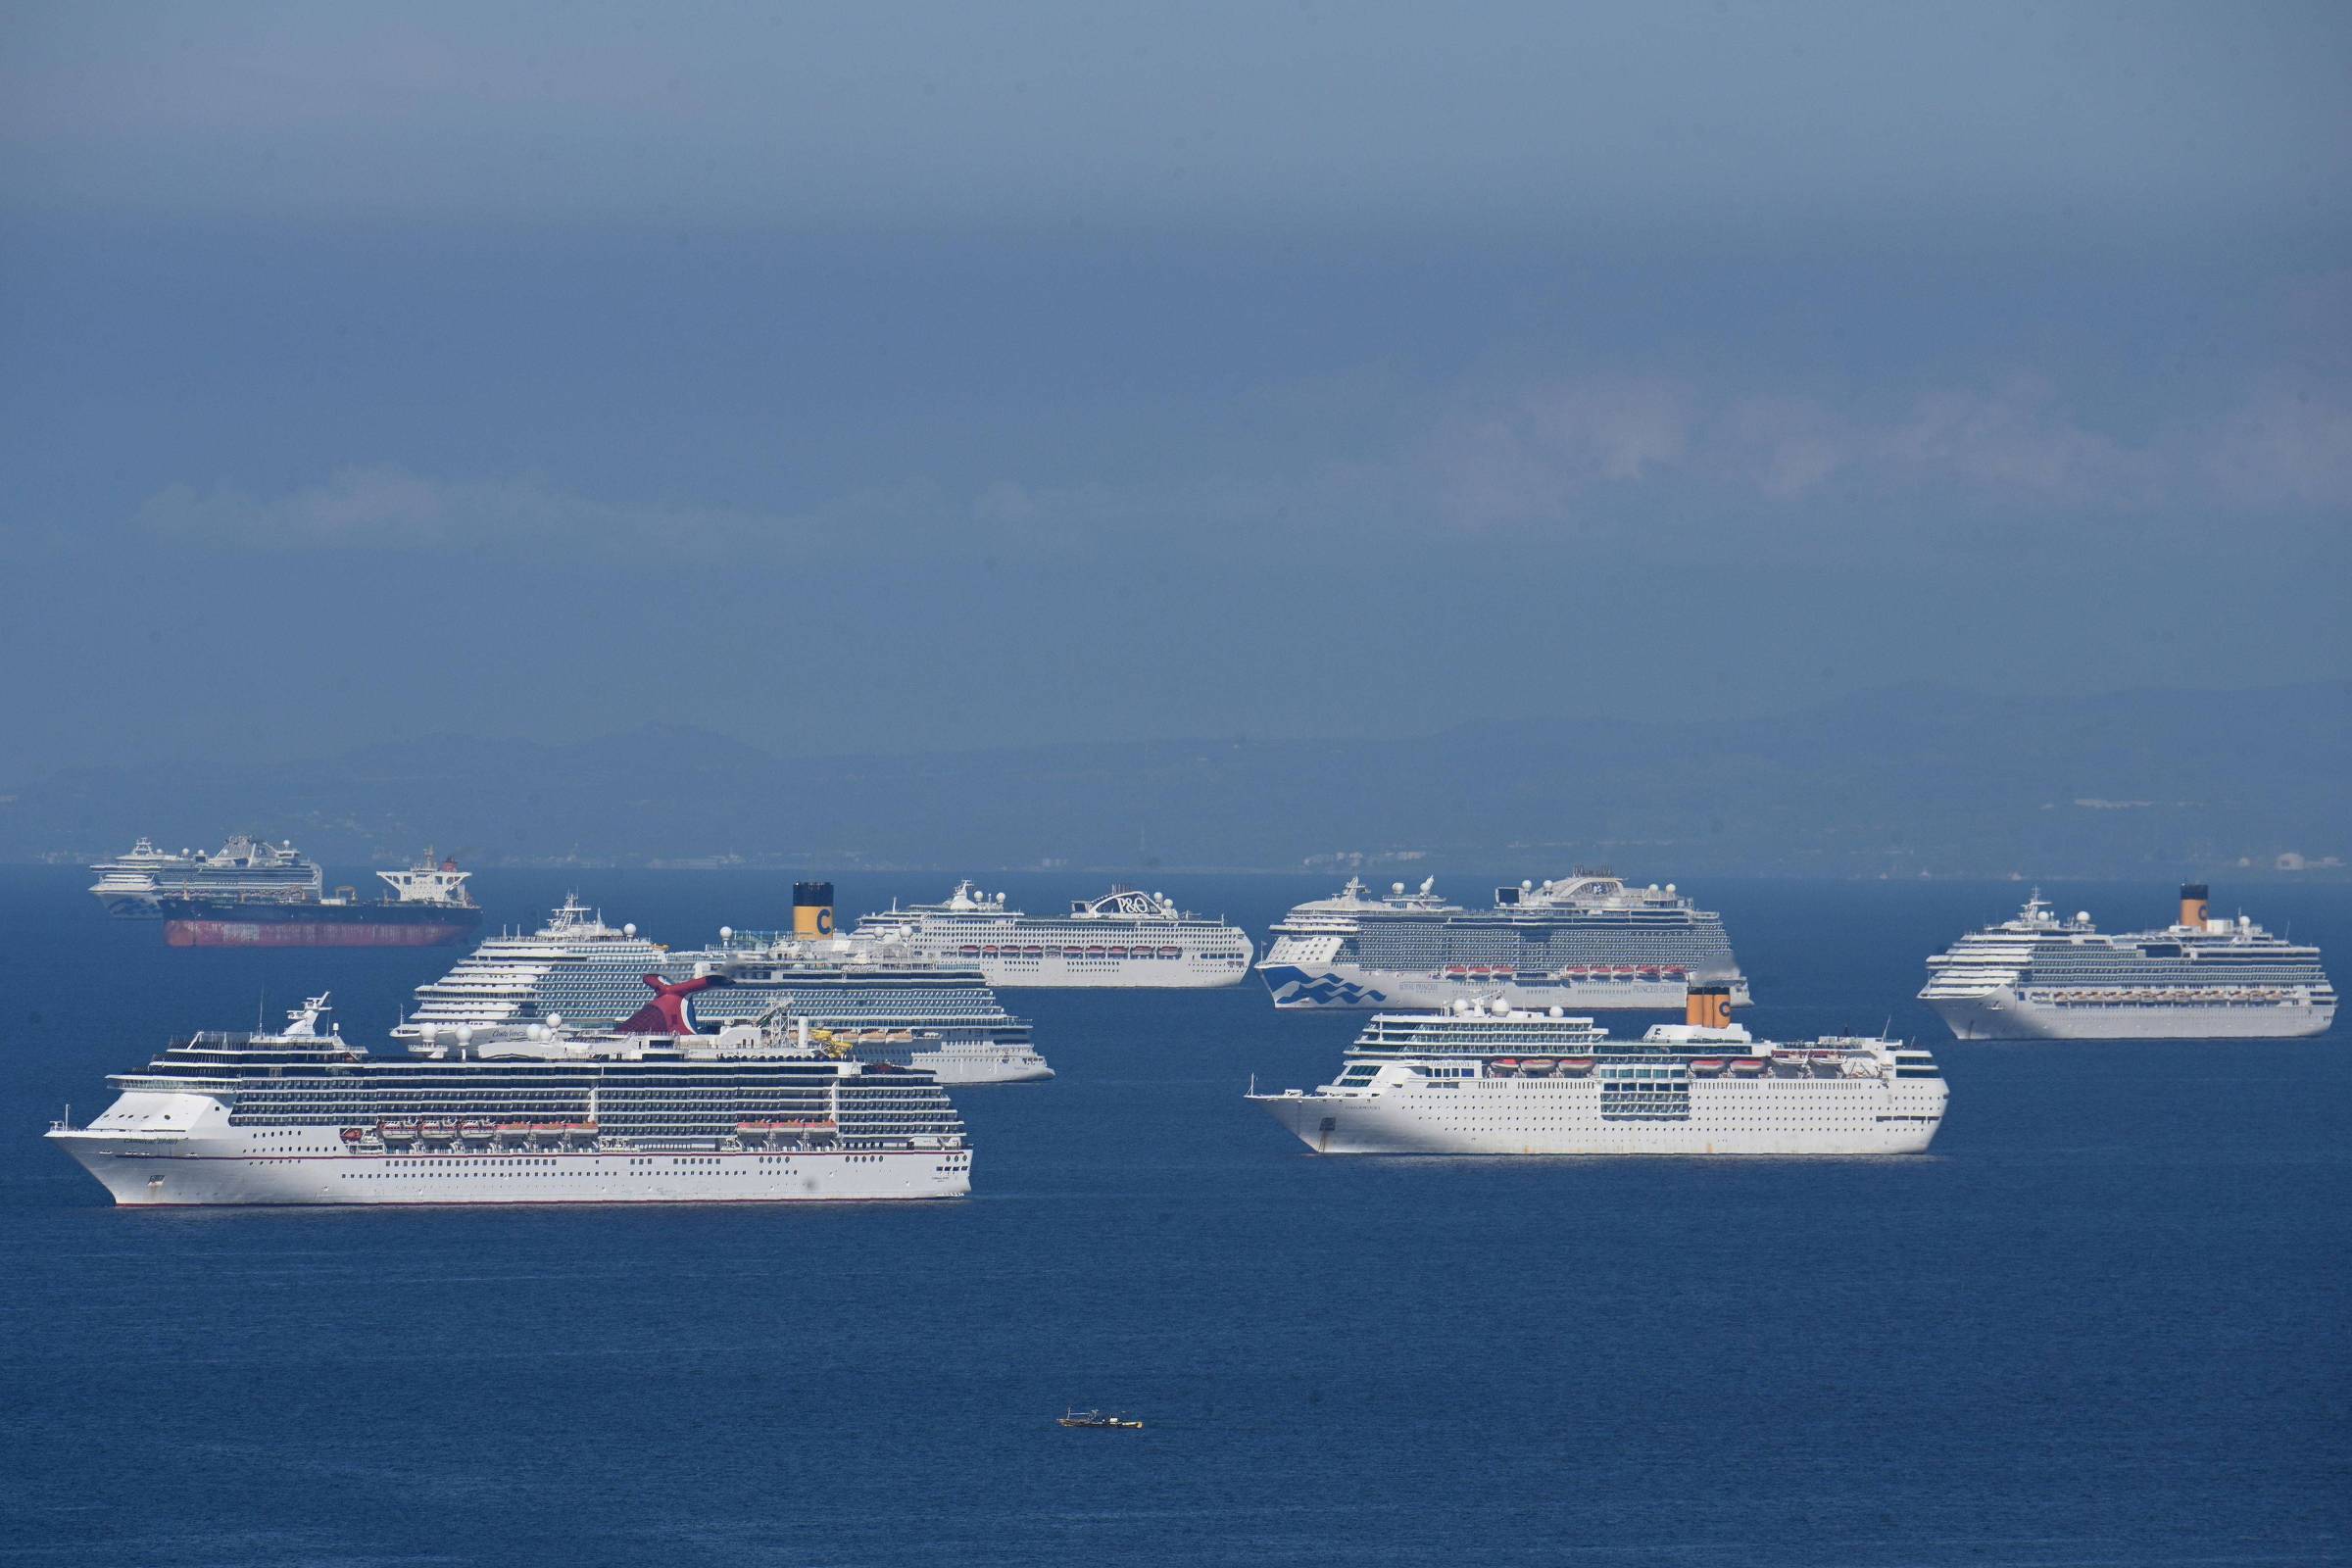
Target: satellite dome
point(725, 932)
point(629, 930)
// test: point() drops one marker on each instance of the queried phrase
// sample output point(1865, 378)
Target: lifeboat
point(546, 1132)
point(1096, 952)
point(1504, 1066)
point(1535, 1065)
point(396, 1132)
point(988, 952)
point(971, 950)
point(514, 1129)
point(1748, 1066)
point(351, 1135)
point(1708, 1064)
point(1034, 952)
point(1578, 1063)
point(437, 1132)
point(1171, 952)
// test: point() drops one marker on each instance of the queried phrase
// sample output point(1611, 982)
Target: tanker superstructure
point(869, 996)
point(529, 1115)
point(1125, 938)
point(2038, 977)
point(1589, 942)
point(1481, 1077)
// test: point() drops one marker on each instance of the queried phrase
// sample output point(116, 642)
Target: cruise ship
point(529, 1115)
point(1124, 937)
point(133, 886)
point(1484, 1077)
point(1584, 942)
point(2039, 978)
point(873, 997)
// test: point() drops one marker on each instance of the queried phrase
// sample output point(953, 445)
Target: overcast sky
point(901, 376)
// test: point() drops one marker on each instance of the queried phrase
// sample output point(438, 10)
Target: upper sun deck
point(2036, 929)
point(1589, 891)
point(1122, 905)
point(1584, 893)
point(1493, 1028)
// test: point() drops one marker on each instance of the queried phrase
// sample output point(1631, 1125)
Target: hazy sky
point(898, 376)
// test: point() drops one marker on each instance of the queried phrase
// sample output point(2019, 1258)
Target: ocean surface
point(2104, 1322)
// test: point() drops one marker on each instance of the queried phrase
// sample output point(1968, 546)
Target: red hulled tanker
point(429, 906)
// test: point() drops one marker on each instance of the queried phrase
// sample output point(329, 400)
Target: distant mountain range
point(1901, 782)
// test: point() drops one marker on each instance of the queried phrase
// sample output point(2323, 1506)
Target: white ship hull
point(1344, 986)
point(967, 1067)
point(1193, 972)
point(1520, 1116)
point(2004, 1016)
point(151, 1172)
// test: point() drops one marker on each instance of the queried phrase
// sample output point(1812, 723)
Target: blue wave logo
point(1293, 987)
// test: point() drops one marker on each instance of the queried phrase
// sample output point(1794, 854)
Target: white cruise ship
point(525, 1116)
point(1584, 942)
point(2039, 977)
point(880, 1000)
point(1481, 1077)
point(133, 886)
point(1124, 937)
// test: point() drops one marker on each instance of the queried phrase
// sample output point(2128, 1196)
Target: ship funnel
point(812, 909)
point(1708, 1007)
point(2192, 905)
point(665, 1014)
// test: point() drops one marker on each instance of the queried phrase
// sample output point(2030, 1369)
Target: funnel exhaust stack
point(811, 910)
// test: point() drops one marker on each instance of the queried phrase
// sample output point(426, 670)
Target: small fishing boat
point(1096, 1419)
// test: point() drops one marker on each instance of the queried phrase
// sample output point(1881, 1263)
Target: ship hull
point(1348, 986)
point(964, 1069)
point(196, 923)
point(155, 1173)
point(131, 905)
point(2006, 1017)
point(1081, 974)
point(1487, 1117)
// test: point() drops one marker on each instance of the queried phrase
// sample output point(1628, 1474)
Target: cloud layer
point(1539, 454)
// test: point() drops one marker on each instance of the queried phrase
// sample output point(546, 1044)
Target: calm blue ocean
point(2105, 1322)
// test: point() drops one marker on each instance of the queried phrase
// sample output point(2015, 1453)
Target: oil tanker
point(429, 906)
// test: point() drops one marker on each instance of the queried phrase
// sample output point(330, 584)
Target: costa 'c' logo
point(824, 923)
